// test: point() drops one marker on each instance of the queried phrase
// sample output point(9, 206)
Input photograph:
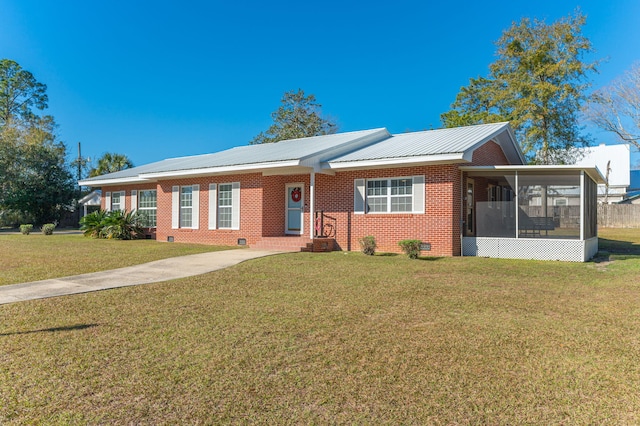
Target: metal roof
point(338, 151)
point(284, 153)
point(430, 142)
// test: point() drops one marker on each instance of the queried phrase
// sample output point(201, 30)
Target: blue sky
point(159, 79)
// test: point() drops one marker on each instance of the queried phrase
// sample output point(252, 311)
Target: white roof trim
point(219, 170)
point(391, 162)
point(100, 182)
point(593, 171)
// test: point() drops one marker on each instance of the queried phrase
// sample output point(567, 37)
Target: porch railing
point(325, 226)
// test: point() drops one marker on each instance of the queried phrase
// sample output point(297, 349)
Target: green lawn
point(338, 338)
point(35, 257)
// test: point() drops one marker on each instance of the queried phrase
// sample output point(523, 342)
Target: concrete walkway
point(152, 272)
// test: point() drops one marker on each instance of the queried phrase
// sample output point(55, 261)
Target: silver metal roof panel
point(293, 150)
point(426, 143)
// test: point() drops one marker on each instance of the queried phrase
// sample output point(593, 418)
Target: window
point(225, 205)
point(186, 207)
point(377, 196)
point(147, 206)
point(494, 196)
point(117, 200)
point(390, 195)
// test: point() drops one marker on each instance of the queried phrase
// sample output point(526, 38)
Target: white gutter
point(107, 182)
point(220, 170)
point(395, 162)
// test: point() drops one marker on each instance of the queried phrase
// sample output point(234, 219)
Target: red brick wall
point(250, 209)
point(262, 211)
point(273, 204)
point(489, 154)
point(438, 226)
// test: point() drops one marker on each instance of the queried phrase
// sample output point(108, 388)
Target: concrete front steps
point(295, 243)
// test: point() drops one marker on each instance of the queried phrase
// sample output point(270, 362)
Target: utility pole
point(79, 178)
point(606, 185)
point(79, 165)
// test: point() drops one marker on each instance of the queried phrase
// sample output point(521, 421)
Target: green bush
point(120, 225)
point(411, 248)
point(92, 224)
point(26, 228)
point(47, 228)
point(368, 245)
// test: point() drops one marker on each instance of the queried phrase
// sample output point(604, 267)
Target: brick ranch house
point(327, 192)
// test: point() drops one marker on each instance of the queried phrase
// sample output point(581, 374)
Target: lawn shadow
point(622, 250)
point(428, 258)
point(619, 247)
point(52, 329)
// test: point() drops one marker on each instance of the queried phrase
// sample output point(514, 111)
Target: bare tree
point(616, 108)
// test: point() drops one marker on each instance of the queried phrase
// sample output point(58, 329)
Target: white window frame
point(146, 208)
point(177, 209)
point(361, 195)
point(184, 209)
point(121, 198)
point(215, 208)
point(225, 206)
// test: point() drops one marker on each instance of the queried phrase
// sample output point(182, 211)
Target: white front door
point(294, 209)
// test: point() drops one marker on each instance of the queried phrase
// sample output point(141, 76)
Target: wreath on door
point(296, 194)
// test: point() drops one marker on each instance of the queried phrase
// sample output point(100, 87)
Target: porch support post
point(312, 199)
point(463, 191)
point(545, 202)
point(582, 201)
point(517, 198)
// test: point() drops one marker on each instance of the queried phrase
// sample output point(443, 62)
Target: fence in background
point(619, 215)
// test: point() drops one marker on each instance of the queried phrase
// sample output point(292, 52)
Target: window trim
point(143, 209)
point(226, 207)
point(214, 206)
point(122, 205)
point(361, 204)
point(176, 208)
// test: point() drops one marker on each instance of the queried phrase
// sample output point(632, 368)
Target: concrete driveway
point(152, 272)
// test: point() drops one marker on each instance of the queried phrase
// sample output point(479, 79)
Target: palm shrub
point(411, 248)
point(91, 225)
point(122, 225)
point(117, 224)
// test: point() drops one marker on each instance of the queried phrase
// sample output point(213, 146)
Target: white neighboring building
point(91, 201)
point(618, 160)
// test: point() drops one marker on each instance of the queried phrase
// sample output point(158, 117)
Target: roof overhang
point(114, 181)
point(593, 172)
point(424, 160)
point(211, 171)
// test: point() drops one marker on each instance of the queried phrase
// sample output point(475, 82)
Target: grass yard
point(36, 257)
point(338, 338)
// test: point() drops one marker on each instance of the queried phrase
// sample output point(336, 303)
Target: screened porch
point(530, 212)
